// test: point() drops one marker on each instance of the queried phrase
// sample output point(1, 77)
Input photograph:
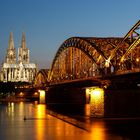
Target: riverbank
point(13, 99)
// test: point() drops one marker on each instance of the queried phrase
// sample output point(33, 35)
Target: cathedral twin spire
point(11, 42)
point(11, 52)
point(23, 52)
point(16, 69)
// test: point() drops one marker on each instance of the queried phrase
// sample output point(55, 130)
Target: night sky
point(48, 23)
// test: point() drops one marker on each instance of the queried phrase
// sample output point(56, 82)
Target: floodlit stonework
point(18, 69)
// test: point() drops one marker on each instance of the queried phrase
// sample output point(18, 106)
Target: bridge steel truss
point(84, 57)
point(127, 53)
point(40, 80)
point(80, 57)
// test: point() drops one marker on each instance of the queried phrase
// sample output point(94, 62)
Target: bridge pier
point(42, 96)
point(121, 98)
point(92, 96)
point(95, 95)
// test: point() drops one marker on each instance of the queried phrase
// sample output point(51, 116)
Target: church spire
point(11, 52)
point(23, 51)
point(11, 41)
point(23, 42)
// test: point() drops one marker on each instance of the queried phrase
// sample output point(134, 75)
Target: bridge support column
point(96, 101)
point(42, 96)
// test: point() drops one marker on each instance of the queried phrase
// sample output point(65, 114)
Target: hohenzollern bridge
point(81, 58)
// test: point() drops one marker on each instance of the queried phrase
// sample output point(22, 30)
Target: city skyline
point(48, 23)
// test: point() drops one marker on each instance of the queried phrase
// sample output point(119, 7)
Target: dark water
point(40, 125)
point(111, 128)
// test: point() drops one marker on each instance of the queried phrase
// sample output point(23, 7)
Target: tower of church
point(21, 69)
point(23, 51)
point(11, 52)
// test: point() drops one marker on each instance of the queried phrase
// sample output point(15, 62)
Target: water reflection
point(40, 111)
point(98, 131)
point(10, 109)
point(52, 128)
point(102, 129)
point(40, 125)
point(21, 108)
point(40, 122)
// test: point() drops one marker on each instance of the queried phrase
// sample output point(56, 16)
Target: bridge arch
point(125, 55)
point(40, 80)
point(93, 50)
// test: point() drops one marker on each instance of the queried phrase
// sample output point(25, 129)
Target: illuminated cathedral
point(17, 68)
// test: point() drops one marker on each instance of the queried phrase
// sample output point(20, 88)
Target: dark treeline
point(10, 87)
point(7, 87)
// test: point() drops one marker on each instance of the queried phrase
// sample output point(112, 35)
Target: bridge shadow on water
point(76, 111)
point(121, 108)
point(109, 128)
point(126, 128)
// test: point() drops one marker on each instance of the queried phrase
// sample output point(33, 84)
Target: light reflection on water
point(39, 125)
point(40, 115)
point(98, 131)
point(10, 109)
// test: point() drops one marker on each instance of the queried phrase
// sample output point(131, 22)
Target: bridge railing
point(134, 70)
point(74, 80)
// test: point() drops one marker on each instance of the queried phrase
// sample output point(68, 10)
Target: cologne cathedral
point(17, 68)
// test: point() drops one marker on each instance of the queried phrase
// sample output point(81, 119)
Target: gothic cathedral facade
point(18, 69)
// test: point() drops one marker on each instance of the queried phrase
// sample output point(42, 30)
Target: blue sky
point(48, 23)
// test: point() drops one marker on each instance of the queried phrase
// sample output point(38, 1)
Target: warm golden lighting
point(137, 59)
point(35, 93)
point(42, 96)
point(98, 131)
point(96, 101)
point(87, 110)
point(12, 104)
point(88, 91)
point(122, 59)
point(10, 109)
point(107, 62)
point(41, 111)
point(21, 94)
point(40, 124)
point(97, 92)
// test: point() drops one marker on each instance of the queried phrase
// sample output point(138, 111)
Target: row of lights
point(22, 94)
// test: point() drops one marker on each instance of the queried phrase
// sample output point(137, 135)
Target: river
point(33, 121)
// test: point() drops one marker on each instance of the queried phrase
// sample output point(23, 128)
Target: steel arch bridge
point(87, 57)
point(40, 80)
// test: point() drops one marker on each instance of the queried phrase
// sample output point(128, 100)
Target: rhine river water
point(33, 121)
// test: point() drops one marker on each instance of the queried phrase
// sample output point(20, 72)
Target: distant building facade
point(18, 69)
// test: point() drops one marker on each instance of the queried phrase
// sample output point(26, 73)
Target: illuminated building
point(21, 69)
